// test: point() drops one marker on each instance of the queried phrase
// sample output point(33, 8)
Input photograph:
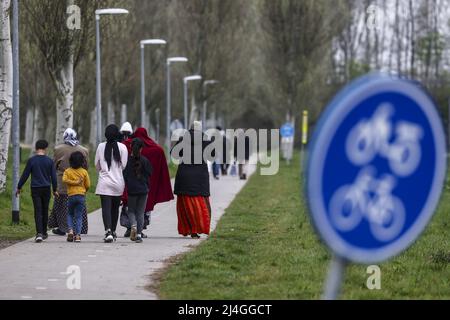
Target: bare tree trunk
point(111, 114)
point(123, 114)
point(93, 129)
point(6, 78)
point(413, 39)
point(64, 100)
point(398, 37)
point(29, 126)
point(39, 129)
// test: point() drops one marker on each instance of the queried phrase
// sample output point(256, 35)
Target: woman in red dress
point(192, 186)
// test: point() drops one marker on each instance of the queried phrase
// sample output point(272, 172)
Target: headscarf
point(70, 137)
point(127, 127)
point(142, 134)
point(112, 135)
point(197, 126)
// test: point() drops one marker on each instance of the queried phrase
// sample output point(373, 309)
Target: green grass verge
point(26, 228)
point(265, 248)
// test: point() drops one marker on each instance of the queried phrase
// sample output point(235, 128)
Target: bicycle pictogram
point(370, 198)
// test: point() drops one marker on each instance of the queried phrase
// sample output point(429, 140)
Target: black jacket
point(226, 154)
point(135, 185)
point(193, 179)
point(241, 158)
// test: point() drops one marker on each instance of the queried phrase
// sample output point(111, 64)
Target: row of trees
point(273, 58)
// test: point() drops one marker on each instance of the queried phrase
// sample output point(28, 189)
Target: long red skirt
point(194, 215)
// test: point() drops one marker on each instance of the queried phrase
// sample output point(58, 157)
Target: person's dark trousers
point(136, 211)
point(241, 170)
point(75, 215)
point(216, 168)
point(224, 168)
point(110, 212)
point(41, 199)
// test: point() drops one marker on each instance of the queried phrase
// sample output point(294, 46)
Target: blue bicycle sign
point(287, 131)
point(376, 168)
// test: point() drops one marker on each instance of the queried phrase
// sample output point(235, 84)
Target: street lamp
point(186, 82)
point(15, 132)
point(205, 102)
point(143, 44)
point(169, 106)
point(99, 13)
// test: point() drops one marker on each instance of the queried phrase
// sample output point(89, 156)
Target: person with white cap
point(126, 131)
point(58, 218)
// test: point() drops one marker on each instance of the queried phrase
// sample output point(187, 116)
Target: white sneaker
point(39, 238)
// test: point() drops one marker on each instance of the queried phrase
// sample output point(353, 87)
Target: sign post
point(305, 129)
point(376, 169)
point(287, 133)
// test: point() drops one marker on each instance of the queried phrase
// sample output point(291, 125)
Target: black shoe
point(114, 234)
point(144, 236)
point(58, 232)
point(108, 237)
point(138, 239)
point(45, 236)
point(127, 233)
point(39, 238)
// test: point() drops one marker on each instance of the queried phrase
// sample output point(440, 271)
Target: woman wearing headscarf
point(110, 161)
point(192, 185)
point(58, 218)
point(160, 185)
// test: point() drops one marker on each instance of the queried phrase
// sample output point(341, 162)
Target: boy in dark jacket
point(43, 178)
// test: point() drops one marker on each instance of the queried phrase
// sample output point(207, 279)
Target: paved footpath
point(117, 271)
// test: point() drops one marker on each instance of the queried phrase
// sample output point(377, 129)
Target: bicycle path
point(118, 271)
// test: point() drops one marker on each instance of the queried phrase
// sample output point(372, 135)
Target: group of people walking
point(132, 174)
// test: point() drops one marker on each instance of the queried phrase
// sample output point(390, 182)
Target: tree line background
point(273, 58)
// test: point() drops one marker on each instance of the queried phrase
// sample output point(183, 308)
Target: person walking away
point(160, 184)
point(242, 159)
point(126, 131)
point(78, 183)
point(110, 160)
point(62, 153)
point(226, 153)
point(217, 164)
point(192, 186)
point(43, 178)
point(137, 180)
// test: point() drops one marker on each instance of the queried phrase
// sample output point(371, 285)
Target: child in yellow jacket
point(78, 183)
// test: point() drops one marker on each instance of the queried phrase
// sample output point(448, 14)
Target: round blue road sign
point(376, 168)
point(287, 131)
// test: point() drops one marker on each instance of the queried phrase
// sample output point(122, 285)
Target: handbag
point(124, 220)
point(233, 170)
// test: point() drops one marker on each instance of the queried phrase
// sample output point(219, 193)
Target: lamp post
point(99, 13)
point(186, 82)
point(143, 44)
point(168, 101)
point(205, 102)
point(15, 113)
